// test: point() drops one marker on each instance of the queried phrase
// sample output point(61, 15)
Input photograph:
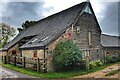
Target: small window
point(78, 30)
point(35, 54)
point(97, 53)
point(44, 39)
point(35, 40)
point(89, 38)
point(107, 53)
point(87, 9)
point(83, 56)
point(14, 53)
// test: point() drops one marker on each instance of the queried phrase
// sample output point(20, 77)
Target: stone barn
point(77, 23)
point(110, 45)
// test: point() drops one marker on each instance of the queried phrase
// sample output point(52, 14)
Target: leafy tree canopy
point(6, 33)
point(26, 24)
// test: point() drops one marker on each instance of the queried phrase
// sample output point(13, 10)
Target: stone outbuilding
point(110, 45)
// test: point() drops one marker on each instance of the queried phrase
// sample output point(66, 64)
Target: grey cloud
point(109, 24)
point(17, 12)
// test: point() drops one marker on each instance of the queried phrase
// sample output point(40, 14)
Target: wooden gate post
point(14, 60)
point(2, 58)
point(5, 59)
point(38, 65)
point(24, 62)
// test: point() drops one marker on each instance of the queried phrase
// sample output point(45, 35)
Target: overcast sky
point(15, 13)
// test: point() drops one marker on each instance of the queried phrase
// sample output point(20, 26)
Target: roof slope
point(50, 25)
point(110, 41)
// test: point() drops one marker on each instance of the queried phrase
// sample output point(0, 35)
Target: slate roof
point(49, 27)
point(110, 41)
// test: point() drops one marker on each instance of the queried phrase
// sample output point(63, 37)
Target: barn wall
point(30, 53)
point(14, 48)
point(87, 24)
point(112, 51)
point(2, 53)
point(49, 53)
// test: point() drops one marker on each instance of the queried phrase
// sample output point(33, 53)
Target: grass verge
point(112, 72)
point(54, 75)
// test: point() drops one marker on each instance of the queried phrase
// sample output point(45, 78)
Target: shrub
point(94, 64)
point(99, 63)
point(108, 58)
point(66, 56)
point(114, 59)
point(111, 59)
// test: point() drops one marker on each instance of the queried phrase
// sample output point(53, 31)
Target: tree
point(66, 56)
point(26, 24)
point(6, 33)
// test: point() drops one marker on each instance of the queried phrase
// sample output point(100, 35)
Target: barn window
point(35, 54)
point(83, 56)
point(14, 53)
point(78, 30)
point(35, 40)
point(87, 9)
point(97, 53)
point(89, 38)
point(107, 53)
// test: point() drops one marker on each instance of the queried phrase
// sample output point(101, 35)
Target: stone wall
point(86, 24)
point(49, 53)
point(30, 54)
point(2, 53)
point(16, 49)
point(113, 51)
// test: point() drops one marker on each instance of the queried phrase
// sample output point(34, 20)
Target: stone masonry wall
point(87, 23)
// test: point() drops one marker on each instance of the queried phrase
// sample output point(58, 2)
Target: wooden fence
point(39, 65)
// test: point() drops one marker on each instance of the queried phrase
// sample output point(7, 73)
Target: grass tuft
point(112, 72)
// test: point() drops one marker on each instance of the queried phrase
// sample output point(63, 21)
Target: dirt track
point(101, 73)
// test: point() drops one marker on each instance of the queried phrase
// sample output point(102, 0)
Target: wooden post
point(5, 60)
point(38, 65)
point(44, 59)
point(24, 62)
point(46, 66)
point(87, 60)
point(2, 58)
point(14, 60)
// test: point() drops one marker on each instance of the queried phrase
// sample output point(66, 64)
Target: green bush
point(99, 63)
point(111, 59)
point(114, 59)
point(66, 56)
point(94, 64)
point(108, 58)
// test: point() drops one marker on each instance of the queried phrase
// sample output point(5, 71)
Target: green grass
point(54, 75)
point(112, 72)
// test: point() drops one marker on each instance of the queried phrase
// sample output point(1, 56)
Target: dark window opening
point(14, 53)
point(107, 53)
point(35, 53)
